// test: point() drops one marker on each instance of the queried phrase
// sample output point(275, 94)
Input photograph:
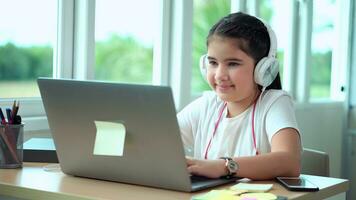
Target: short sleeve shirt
point(233, 137)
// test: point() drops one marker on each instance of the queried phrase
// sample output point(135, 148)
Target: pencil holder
point(11, 145)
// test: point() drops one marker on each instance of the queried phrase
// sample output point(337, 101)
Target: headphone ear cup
point(266, 71)
point(203, 66)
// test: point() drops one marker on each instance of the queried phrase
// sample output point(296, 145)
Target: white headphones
point(266, 69)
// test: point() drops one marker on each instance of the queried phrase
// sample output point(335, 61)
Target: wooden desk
point(33, 182)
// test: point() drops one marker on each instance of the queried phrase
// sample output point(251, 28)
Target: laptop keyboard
point(195, 179)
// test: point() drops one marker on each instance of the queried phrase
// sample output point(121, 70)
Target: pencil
point(14, 112)
point(3, 121)
point(8, 114)
point(13, 106)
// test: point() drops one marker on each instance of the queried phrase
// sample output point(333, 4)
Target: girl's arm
point(284, 160)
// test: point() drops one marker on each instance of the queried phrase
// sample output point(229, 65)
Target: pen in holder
point(11, 145)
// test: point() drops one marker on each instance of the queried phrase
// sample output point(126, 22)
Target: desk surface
point(33, 182)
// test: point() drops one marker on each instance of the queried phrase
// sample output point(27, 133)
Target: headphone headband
point(273, 41)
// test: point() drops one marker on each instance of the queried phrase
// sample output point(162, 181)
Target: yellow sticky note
point(238, 192)
point(259, 196)
point(109, 139)
point(217, 195)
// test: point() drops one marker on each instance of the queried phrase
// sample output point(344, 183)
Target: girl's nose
point(221, 73)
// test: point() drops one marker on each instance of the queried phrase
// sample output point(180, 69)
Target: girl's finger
point(190, 161)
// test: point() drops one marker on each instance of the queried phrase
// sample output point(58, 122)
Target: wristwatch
point(231, 165)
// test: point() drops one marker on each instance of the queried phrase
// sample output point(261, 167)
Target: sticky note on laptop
point(109, 139)
point(252, 187)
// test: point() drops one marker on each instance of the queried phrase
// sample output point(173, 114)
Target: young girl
point(246, 126)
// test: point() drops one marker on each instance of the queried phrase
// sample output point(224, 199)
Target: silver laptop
point(119, 132)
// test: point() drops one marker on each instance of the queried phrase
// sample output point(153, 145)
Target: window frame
point(75, 49)
point(342, 53)
point(296, 79)
point(304, 54)
point(32, 110)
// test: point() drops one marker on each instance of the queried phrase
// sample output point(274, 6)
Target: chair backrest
point(315, 162)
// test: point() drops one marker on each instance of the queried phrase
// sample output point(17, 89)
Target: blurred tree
point(123, 59)
point(266, 11)
point(321, 68)
point(320, 78)
point(25, 63)
point(14, 64)
point(40, 59)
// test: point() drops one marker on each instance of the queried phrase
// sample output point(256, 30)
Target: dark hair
point(251, 35)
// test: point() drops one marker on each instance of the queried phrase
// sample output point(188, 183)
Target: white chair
point(315, 162)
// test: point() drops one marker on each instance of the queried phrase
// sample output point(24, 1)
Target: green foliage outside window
point(21, 66)
point(320, 79)
point(126, 60)
point(25, 63)
point(123, 59)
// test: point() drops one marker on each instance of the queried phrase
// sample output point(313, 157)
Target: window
point(26, 45)
point(275, 13)
point(124, 38)
point(324, 16)
point(206, 14)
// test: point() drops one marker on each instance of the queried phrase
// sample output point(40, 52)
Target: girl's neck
point(236, 108)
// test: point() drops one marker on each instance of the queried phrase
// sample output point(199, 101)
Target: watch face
point(232, 166)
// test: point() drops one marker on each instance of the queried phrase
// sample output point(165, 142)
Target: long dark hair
point(251, 35)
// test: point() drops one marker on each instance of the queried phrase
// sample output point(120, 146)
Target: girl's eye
point(212, 63)
point(233, 64)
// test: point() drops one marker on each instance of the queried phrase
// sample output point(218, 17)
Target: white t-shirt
point(233, 137)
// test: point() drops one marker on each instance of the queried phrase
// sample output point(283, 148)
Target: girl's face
point(230, 71)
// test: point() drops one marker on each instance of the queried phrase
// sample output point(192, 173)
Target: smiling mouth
point(224, 88)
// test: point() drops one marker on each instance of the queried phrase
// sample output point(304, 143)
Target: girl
point(246, 126)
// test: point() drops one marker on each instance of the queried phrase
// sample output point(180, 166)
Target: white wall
point(321, 126)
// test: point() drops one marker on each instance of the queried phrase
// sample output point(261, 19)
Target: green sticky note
point(252, 187)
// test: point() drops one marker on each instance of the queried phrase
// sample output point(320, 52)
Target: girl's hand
point(207, 168)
